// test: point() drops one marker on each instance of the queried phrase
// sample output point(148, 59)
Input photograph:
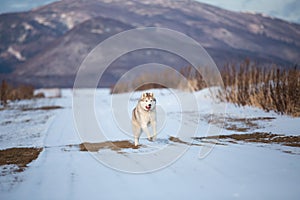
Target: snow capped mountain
point(45, 46)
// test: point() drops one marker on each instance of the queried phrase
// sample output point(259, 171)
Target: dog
point(143, 115)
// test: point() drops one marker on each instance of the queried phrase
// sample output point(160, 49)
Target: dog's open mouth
point(148, 107)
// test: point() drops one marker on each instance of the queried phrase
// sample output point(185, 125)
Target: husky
point(144, 114)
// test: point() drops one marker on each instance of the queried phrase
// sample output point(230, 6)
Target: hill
point(46, 46)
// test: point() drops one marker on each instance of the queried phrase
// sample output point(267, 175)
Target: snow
point(27, 26)
point(15, 53)
point(49, 92)
point(97, 31)
point(256, 28)
point(69, 21)
point(231, 171)
point(44, 21)
point(25, 128)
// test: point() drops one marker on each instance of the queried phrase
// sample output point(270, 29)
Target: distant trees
point(4, 92)
point(8, 92)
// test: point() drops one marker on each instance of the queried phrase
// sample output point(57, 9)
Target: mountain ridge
point(32, 49)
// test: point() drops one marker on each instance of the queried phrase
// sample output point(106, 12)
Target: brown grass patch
point(19, 156)
point(113, 145)
point(42, 108)
point(238, 124)
point(177, 140)
point(257, 137)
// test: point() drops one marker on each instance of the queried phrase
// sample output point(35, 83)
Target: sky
point(21, 5)
point(288, 10)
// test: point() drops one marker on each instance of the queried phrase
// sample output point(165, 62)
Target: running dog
point(144, 114)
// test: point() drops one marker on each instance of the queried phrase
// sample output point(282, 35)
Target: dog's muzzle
point(148, 107)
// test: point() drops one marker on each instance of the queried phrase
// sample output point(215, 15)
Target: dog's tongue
point(148, 107)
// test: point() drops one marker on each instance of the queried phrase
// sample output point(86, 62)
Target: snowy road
point(231, 171)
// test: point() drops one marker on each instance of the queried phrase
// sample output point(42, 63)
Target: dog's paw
point(150, 139)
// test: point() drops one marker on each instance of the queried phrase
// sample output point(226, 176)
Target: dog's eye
point(151, 100)
point(146, 100)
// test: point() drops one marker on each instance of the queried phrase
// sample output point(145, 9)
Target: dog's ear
point(151, 94)
point(144, 95)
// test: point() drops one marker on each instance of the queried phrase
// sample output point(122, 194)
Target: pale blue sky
point(21, 5)
point(285, 9)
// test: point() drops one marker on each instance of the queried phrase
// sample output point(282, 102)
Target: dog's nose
point(149, 105)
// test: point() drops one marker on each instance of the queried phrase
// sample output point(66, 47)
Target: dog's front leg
point(146, 130)
point(153, 123)
point(136, 133)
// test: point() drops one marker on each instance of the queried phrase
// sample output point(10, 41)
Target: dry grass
point(113, 145)
point(270, 89)
point(146, 81)
point(195, 79)
point(8, 92)
point(19, 156)
point(257, 137)
point(188, 79)
point(42, 108)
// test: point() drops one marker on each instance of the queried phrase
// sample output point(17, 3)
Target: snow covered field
point(235, 168)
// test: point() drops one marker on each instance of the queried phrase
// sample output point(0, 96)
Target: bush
point(275, 89)
point(11, 93)
point(146, 81)
point(193, 81)
point(269, 88)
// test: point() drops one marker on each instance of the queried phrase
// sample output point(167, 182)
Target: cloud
point(292, 10)
point(284, 9)
point(19, 6)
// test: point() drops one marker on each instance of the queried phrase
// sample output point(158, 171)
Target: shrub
point(9, 92)
point(269, 88)
point(272, 88)
point(188, 79)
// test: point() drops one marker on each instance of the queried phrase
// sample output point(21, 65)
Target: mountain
point(45, 46)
